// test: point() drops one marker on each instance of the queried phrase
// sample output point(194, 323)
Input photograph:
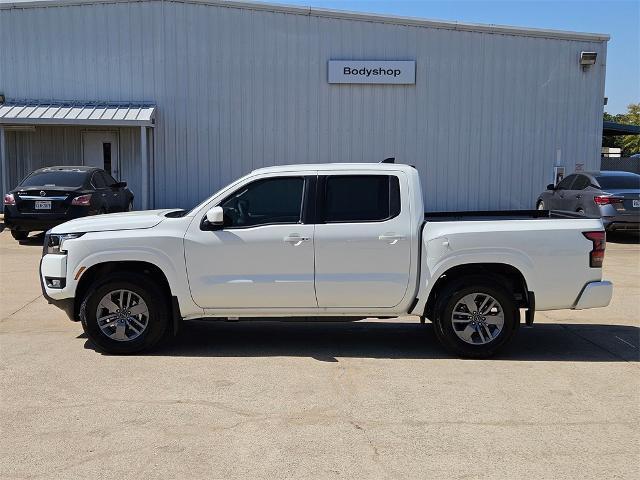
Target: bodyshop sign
point(400, 72)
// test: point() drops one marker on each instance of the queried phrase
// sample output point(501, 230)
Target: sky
point(618, 18)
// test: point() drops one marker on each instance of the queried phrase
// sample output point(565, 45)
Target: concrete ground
point(277, 400)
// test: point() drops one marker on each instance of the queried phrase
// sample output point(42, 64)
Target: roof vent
point(389, 160)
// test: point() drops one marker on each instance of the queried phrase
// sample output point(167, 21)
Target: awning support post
point(4, 160)
point(144, 158)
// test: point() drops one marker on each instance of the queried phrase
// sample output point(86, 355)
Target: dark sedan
point(613, 196)
point(53, 195)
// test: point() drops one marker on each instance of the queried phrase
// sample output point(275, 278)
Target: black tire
point(19, 235)
point(443, 324)
point(130, 206)
point(156, 299)
point(540, 205)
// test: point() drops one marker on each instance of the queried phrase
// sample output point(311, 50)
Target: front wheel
point(125, 313)
point(476, 318)
point(541, 205)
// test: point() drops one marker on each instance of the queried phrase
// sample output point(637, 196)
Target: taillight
point(596, 255)
point(607, 200)
point(82, 200)
point(9, 199)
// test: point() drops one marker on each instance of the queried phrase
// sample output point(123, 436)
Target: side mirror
point(215, 217)
point(551, 186)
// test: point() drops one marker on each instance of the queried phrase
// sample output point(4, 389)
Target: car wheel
point(580, 211)
point(540, 205)
point(476, 317)
point(125, 313)
point(130, 206)
point(19, 235)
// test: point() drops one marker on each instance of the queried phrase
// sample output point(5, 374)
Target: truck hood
point(113, 221)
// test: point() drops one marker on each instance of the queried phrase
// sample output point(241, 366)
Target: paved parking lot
point(287, 400)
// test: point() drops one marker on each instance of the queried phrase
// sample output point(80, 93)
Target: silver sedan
point(613, 196)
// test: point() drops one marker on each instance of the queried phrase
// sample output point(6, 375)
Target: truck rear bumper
point(594, 295)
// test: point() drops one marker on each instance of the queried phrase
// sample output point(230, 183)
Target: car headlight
point(55, 242)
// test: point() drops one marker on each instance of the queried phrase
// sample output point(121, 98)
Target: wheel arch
point(508, 276)
point(154, 273)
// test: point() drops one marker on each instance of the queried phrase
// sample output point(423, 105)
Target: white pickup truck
point(346, 241)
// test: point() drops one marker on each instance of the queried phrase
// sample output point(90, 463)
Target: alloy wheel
point(122, 315)
point(477, 318)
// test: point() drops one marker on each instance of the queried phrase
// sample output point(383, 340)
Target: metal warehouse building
point(180, 97)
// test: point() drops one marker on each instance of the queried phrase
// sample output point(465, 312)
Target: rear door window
point(566, 183)
point(361, 198)
point(98, 180)
point(581, 183)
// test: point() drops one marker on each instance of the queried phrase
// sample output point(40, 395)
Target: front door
point(262, 257)
point(100, 149)
point(363, 241)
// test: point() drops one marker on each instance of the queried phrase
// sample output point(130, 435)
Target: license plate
point(636, 204)
point(43, 204)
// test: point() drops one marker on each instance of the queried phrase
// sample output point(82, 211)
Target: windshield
point(55, 178)
point(621, 182)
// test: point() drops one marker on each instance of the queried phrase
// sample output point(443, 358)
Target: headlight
point(55, 242)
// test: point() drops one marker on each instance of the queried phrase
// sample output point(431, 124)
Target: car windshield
point(55, 178)
point(619, 182)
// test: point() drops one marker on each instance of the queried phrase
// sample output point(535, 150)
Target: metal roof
point(347, 15)
point(73, 113)
point(612, 129)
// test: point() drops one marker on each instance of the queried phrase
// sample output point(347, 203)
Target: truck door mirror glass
point(551, 186)
point(215, 217)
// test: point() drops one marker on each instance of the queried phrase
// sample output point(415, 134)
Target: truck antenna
point(389, 160)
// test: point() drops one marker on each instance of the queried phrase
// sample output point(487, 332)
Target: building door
point(100, 149)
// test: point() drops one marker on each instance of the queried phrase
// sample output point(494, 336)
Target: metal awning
point(98, 113)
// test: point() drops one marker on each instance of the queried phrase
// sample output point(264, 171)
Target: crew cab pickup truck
point(345, 241)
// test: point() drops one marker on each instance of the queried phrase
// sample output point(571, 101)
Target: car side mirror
point(215, 218)
point(119, 185)
point(551, 186)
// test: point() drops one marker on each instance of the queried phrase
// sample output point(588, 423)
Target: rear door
point(362, 240)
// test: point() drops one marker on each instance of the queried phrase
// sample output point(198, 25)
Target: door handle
point(392, 238)
point(295, 239)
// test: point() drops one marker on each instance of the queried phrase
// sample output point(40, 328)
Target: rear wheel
point(130, 206)
point(19, 234)
point(125, 313)
point(541, 205)
point(476, 317)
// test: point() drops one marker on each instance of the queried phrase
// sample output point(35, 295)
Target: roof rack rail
point(389, 160)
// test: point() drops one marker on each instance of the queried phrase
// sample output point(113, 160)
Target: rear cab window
point(619, 182)
point(360, 198)
point(55, 178)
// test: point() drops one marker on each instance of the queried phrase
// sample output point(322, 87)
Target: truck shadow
point(328, 341)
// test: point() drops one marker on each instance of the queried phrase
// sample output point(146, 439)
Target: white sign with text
point(394, 72)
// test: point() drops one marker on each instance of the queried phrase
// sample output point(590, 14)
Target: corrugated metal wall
point(238, 89)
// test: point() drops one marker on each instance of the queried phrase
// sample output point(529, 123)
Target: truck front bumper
point(594, 295)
